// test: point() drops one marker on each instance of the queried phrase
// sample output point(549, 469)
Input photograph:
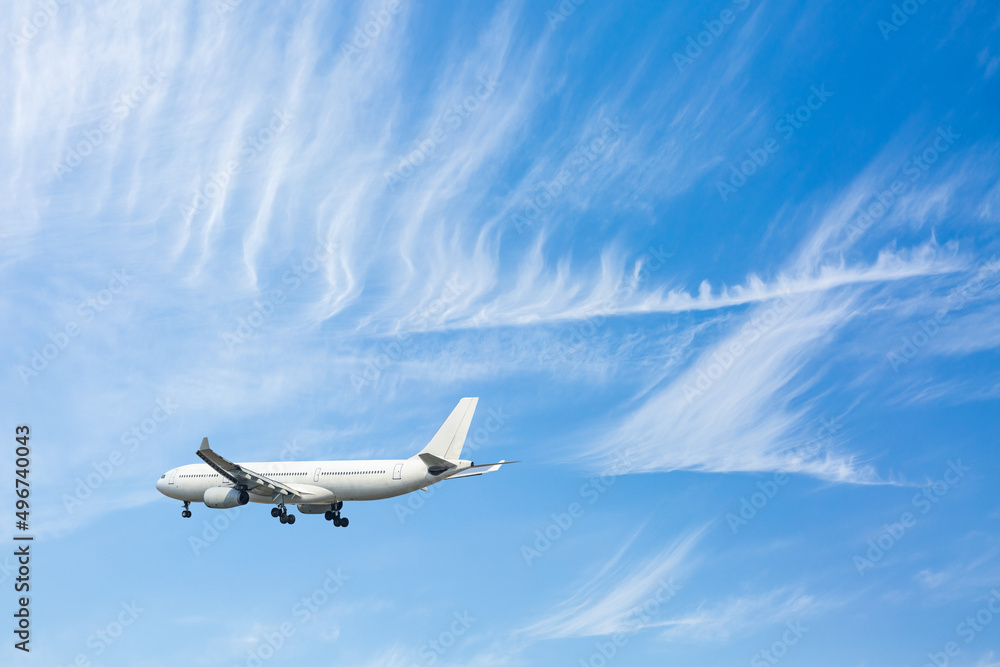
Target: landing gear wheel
point(283, 518)
point(290, 519)
point(186, 514)
point(337, 521)
point(328, 516)
point(344, 521)
point(275, 512)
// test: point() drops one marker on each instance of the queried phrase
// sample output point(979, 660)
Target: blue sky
point(725, 276)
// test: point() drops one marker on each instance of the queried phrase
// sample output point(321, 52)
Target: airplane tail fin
point(447, 442)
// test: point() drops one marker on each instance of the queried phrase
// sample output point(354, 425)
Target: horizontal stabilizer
point(481, 469)
point(435, 464)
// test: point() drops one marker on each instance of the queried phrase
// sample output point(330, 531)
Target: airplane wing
point(254, 482)
point(481, 469)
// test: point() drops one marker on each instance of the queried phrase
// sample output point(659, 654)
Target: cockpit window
point(163, 475)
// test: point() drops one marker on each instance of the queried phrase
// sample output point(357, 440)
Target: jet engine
point(224, 497)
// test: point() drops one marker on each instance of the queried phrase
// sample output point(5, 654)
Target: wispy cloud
point(739, 616)
point(743, 402)
point(613, 599)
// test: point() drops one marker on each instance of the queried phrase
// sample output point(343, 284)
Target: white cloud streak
point(608, 603)
point(739, 616)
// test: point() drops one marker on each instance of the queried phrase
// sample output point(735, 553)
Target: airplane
point(322, 487)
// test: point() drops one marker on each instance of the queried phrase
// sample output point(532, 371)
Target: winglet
point(204, 444)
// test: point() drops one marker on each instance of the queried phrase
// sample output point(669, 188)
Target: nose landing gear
point(186, 513)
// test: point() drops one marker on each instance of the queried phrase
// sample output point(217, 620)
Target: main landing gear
point(333, 514)
point(186, 513)
point(282, 513)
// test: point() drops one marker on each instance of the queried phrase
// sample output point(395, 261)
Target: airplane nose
point(161, 484)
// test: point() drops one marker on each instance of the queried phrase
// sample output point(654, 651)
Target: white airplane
point(321, 487)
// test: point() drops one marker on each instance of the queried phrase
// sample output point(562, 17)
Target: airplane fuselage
point(324, 481)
